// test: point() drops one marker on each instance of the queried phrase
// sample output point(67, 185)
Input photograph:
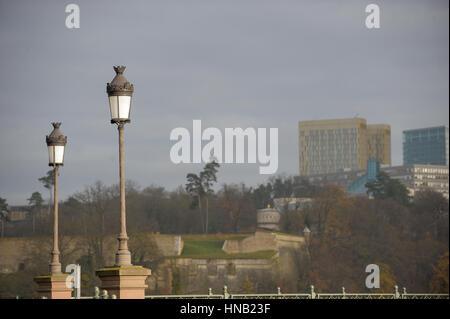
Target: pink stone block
point(126, 282)
point(53, 286)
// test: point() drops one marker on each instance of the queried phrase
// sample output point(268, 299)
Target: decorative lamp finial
point(56, 137)
point(119, 69)
point(119, 85)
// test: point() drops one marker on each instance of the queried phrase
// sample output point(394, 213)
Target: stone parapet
point(53, 286)
point(126, 282)
point(257, 242)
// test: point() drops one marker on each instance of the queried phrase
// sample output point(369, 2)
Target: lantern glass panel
point(56, 154)
point(114, 107)
point(124, 107)
point(120, 107)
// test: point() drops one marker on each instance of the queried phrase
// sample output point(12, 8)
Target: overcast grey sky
point(228, 63)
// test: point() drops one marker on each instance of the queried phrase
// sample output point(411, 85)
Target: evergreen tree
point(35, 202)
point(48, 181)
point(385, 187)
point(208, 178)
point(200, 187)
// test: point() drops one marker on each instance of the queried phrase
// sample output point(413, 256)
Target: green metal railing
point(278, 295)
point(311, 295)
point(97, 295)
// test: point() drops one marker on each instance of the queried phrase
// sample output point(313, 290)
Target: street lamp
point(119, 94)
point(56, 143)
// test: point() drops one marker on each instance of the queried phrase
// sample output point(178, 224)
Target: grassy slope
point(210, 246)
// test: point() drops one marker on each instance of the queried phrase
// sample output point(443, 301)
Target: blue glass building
point(426, 146)
point(359, 186)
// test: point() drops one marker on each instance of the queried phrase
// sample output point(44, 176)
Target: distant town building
point(18, 213)
point(415, 177)
point(379, 143)
point(343, 179)
point(332, 146)
point(268, 218)
point(359, 185)
point(426, 146)
point(291, 203)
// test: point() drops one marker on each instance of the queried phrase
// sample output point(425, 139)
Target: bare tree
point(95, 201)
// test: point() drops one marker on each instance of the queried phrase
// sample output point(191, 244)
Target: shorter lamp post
point(54, 286)
point(56, 143)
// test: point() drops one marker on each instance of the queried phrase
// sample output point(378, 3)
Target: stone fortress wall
point(197, 274)
point(262, 240)
point(14, 251)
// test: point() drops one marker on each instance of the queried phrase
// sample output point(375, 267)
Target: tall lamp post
point(124, 279)
point(56, 143)
point(120, 92)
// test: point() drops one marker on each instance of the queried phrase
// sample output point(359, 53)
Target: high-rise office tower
point(329, 146)
point(379, 143)
point(426, 146)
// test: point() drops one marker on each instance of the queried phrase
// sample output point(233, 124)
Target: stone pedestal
point(126, 282)
point(53, 286)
